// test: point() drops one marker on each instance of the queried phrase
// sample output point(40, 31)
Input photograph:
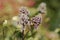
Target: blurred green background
point(51, 22)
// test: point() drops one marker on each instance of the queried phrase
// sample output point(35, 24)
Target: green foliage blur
point(9, 32)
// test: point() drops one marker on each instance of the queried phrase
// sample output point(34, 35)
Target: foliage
point(49, 27)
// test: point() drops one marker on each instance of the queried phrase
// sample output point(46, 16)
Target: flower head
point(23, 17)
point(24, 10)
point(42, 7)
point(36, 20)
point(5, 22)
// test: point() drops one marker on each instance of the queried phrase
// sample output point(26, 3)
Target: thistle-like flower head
point(24, 10)
point(23, 17)
point(36, 20)
point(42, 7)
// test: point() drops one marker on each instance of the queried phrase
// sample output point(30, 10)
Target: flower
point(15, 20)
point(5, 22)
point(42, 7)
point(36, 20)
point(23, 17)
point(24, 10)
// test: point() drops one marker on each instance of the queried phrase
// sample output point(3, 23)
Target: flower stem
point(23, 35)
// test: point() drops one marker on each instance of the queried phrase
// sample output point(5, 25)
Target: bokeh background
point(48, 30)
